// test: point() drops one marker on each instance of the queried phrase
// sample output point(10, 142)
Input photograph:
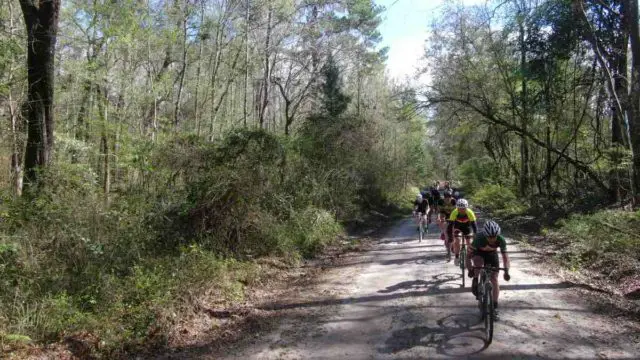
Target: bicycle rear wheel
point(488, 308)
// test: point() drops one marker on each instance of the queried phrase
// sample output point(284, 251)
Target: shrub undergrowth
point(499, 200)
point(192, 225)
point(606, 241)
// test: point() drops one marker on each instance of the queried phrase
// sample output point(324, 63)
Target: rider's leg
point(496, 288)
point(467, 260)
point(492, 259)
point(441, 222)
point(456, 242)
point(478, 261)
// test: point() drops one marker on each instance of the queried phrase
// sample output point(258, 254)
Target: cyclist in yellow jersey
point(461, 219)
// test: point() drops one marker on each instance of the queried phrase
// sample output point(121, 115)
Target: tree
point(525, 91)
point(41, 21)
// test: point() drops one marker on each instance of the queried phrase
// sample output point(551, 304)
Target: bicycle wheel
point(488, 320)
point(463, 257)
point(421, 231)
point(480, 289)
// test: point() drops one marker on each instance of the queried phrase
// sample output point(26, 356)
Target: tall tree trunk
point(619, 64)
point(16, 128)
point(246, 62)
point(16, 148)
point(524, 145)
point(183, 70)
point(265, 80)
point(42, 27)
point(198, 69)
point(548, 163)
point(630, 12)
point(103, 106)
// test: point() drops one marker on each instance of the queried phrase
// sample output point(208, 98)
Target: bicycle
point(421, 227)
point(463, 252)
point(484, 296)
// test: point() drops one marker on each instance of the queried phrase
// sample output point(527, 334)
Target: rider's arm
point(472, 250)
point(451, 221)
point(503, 251)
point(472, 219)
point(505, 259)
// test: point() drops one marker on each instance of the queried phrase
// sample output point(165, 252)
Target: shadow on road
point(454, 335)
point(425, 257)
point(419, 288)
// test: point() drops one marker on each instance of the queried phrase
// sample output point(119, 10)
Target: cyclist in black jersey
point(445, 207)
point(484, 250)
point(420, 209)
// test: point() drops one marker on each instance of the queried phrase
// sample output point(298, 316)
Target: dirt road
point(401, 300)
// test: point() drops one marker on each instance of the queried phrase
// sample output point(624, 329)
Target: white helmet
point(462, 204)
point(491, 228)
point(419, 197)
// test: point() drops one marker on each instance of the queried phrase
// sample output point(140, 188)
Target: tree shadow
point(394, 248)
point(417, 288)
point(454, 335)
point(425, 257)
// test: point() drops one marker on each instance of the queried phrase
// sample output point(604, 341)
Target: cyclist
point(420, 209)
point(484, 250)
point(447, 186)
point(445, 207)
point(434, 200)
point(463, 220)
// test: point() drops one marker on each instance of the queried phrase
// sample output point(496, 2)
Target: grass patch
point(606, 241)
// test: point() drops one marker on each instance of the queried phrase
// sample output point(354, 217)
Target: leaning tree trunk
point(41, 21)
point(630, 12)
point(619, 60)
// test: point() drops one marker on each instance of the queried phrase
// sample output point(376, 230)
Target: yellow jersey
point(457, 216)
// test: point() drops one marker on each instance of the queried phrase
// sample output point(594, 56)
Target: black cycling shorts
point(464, 228)
point(489, 257)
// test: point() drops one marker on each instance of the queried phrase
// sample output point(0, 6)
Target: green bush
point(606, 241)
point(499, 200)
point(192, 225)
point(477, 173)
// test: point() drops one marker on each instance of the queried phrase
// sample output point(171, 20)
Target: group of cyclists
point(454, 216)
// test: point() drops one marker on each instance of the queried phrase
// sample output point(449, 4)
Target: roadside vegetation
point(535, 117)
point(161, 157)
point(195, 155)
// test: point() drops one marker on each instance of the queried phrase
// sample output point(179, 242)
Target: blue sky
point(405, 28)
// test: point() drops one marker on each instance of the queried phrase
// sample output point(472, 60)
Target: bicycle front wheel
point(488, 308)
point(463, 258)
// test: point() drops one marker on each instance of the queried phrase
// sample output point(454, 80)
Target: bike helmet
point(419, 197)
point(462, 204)
point(491, 228)
point(448, 193)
